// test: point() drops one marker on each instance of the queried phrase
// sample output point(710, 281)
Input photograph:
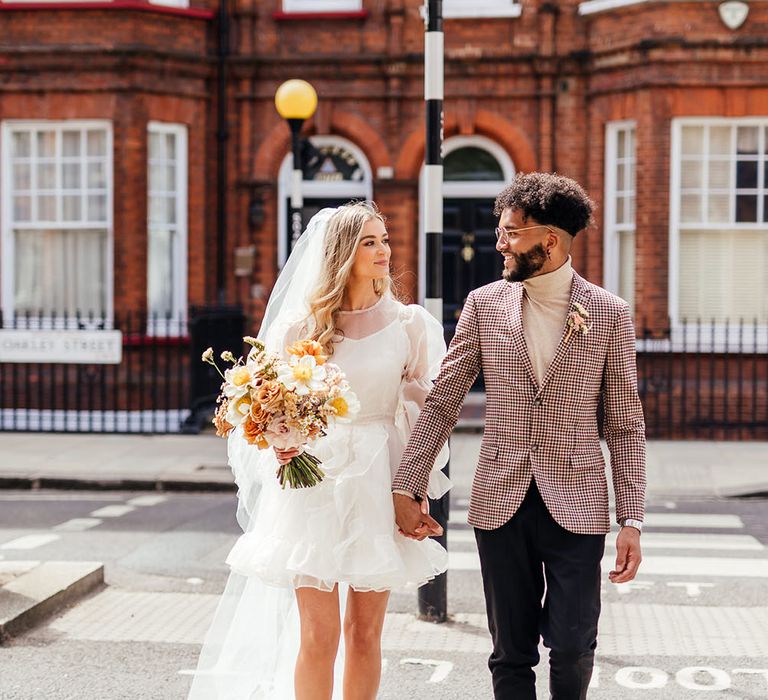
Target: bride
point(311, 558)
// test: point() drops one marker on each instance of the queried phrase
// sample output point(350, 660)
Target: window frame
point(611, 228)
point(458, 9)
point(179, 300)
point(7, 223)
point(717, 335)
point(290, 7)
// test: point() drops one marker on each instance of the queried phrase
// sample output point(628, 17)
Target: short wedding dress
point(340, 531)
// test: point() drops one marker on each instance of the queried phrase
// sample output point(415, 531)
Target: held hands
point(413, 518)
point(628, 555)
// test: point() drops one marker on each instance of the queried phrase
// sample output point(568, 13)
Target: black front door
point(470, 259)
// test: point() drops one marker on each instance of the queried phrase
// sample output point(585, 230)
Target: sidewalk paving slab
point(32, 591)
point(695, 468)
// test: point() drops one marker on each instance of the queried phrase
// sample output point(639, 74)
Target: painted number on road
point(442, 668)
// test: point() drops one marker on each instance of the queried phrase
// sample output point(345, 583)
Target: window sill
point(591, 7)
point(189, 12)
point(511, 10)
point(487, 12)
point(302, 16)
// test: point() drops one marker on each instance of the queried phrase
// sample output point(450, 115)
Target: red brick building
point(116, 145)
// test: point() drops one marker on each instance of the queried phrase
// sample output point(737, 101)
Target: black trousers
point(516, 559)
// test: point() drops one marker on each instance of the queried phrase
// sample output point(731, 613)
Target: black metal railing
point(696, 379)
point(704, 379)
point(80, 389)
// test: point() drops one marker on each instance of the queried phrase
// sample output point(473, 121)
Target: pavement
point(31, 590)
point(199, 463)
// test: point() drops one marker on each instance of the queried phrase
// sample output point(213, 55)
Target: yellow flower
point(340, 406)
point(344, 406)
point(240, 375)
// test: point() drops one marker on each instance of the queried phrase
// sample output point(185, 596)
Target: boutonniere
point(577, 321)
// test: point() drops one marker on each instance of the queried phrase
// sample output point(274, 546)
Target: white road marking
point(658, 540)
point(718, 521)
point(699, 566)
point(636, 585)
point(689, 678)
point(30, 541)
point(702, 520)
point(692, 588)
point(641, 677)
point(195, 581)
point(663, 540)
point(77, 524)
point(112, 511)
point(654, 565)
point(442, 668)
point(61, 496)
point(149, 500)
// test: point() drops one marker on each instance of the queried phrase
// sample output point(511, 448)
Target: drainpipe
point(222, 136)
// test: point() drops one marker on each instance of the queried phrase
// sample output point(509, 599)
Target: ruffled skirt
point(341, 531)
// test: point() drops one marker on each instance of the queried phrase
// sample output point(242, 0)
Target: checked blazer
point(548, 431)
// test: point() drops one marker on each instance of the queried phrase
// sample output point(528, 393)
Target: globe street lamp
point(296, 101)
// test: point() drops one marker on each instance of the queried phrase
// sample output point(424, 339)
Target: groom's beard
point(526, 264)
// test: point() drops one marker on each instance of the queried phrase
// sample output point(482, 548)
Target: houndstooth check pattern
point(549, 431)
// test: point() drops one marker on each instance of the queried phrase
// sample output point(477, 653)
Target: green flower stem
point(301, 472)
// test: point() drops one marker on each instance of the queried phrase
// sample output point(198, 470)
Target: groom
point(551, 346)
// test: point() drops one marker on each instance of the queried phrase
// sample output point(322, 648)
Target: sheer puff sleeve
point(426, 352)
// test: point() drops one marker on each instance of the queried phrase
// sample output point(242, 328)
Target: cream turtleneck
point(545, 306)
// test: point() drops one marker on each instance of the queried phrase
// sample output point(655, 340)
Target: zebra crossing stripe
point(717, 521)
point(659, 540)
point(725, 567)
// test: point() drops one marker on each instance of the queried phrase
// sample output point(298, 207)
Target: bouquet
point(283, 404)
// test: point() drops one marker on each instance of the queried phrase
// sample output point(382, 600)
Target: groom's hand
point(628, 555)
point(412, 520)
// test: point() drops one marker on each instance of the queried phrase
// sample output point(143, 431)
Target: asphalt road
point(694, 624)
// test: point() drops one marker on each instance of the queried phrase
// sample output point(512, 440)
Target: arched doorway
point(475, 170)
point(337, 171)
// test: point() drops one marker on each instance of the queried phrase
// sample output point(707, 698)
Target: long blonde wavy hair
point(345, 228)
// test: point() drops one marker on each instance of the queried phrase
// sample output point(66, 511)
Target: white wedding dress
point(341, 531)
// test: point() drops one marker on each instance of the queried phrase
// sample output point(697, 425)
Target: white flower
point(344, 406)
point(237, 380)
point(238, 409)
point(302, 375)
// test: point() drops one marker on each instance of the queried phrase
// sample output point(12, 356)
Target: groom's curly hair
point(548, 198)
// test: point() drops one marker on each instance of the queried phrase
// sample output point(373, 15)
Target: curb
point(36, 483)
point(42, 591)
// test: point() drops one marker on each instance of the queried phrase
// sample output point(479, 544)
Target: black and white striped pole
point(433, 596)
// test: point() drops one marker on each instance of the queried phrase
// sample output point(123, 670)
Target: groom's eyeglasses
point(503, 234)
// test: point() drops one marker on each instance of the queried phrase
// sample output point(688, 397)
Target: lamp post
point(296, 101)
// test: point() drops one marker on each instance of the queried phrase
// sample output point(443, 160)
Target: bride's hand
point(285, 456)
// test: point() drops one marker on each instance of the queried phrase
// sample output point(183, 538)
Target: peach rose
point(270, 396)
point(308, 347)
point(259, 416)
point(253, 434)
